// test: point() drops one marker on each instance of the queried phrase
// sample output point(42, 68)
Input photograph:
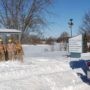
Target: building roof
point(9, 31)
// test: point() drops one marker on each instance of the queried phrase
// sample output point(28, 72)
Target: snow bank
point(85, 56)
point(34, 49)
point(42, 51)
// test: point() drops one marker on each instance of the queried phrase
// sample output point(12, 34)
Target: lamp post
point(70, 23)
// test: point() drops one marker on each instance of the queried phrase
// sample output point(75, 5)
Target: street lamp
point(70, 23)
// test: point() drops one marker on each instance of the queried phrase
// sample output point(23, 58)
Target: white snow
point(85, 56)
point(42, 69)
point(9, 31)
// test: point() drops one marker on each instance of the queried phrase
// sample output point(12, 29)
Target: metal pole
point(71, 31)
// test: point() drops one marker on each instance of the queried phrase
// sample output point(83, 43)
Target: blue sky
point(64, 10)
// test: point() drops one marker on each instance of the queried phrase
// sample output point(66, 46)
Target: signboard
point(76, 44)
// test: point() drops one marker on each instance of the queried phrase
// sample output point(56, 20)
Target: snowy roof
point(9, 31)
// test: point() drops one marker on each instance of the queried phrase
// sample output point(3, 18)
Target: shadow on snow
point(83, 65)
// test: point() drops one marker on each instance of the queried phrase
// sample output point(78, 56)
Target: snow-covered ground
point(41, 70)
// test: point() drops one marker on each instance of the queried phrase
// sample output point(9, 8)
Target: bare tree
point(23, 14)
point(63, 37)
point(85, 28)
point(50, 41)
